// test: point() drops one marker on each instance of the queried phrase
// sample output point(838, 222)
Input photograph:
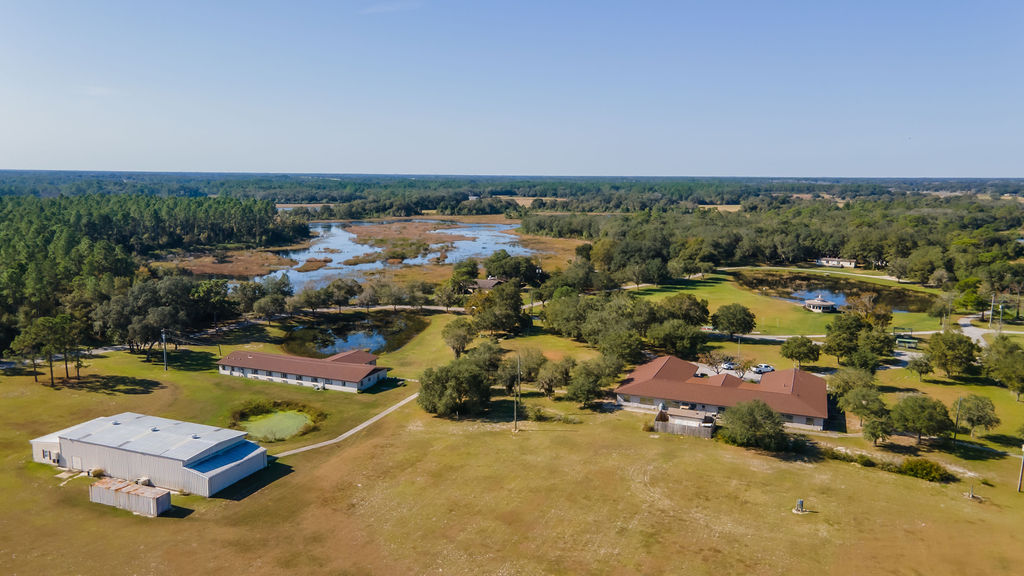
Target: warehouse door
point(76, 463)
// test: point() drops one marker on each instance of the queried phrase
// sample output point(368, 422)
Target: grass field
point(774, 315)
point(417, 494)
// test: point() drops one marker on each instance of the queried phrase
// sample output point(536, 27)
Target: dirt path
point(350, 432)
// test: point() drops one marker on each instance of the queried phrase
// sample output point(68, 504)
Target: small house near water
point(819, 304)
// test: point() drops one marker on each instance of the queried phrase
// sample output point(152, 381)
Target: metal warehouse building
point(171, 454)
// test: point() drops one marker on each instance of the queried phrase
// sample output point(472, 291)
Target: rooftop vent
point(196, 436)
point(116, 423)
point(154, 429)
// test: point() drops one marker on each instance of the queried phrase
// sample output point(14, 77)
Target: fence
point(683, 429)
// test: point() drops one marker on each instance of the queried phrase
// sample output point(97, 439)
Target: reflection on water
point(338, 244)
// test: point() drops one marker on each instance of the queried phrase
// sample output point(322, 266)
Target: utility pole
point(163, 338)
point(991, 310)
point(1020, 478)
point(956, 425)
point(515, 395)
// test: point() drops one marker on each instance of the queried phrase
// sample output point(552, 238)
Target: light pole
point(163, 338)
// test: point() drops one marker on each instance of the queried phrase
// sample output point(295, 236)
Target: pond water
point(335, 242)
point(798, 288)
point(276, 425)
point(376, 332)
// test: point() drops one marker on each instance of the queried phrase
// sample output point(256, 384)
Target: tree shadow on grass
point(23, 370)
point(191, 360)
point(244, 335)
point(969, 450)
point(248, 486)
point(886, 389)
point(1013, 442)
point(110, 384)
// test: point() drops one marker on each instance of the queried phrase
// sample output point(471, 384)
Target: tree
point(1004, 362)
point(554, 375)
point(458, 334)
point(754, 424)
point(733, 319)
point(921, 415)
point(246, 294)
point(685, 307)
point(919, 365)
point(678, 338)
point(863, 359)
point(846, 379)
point(714, 359)
point(587, 380)
point(878, 316)
point(28, 345)
point(459, 387)
point(500, 309)
point(865, 402)
point(269, 306)
point(951, 351)
point(343, 290)
point(800, 349)
point(977, 411)
point(875, 429)
point(448, 295)
point(841, 335)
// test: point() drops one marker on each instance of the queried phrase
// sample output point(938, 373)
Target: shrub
point(648, 427)
point(926, 470)
point(96, 473)
point(865, 461)
point(536, 413)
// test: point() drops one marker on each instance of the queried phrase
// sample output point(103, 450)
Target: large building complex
point(171, 454)
point(352, 371)
point(800, 397)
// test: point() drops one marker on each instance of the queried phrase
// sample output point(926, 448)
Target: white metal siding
point(137, 503)
point(254, 463)
point(163, 472)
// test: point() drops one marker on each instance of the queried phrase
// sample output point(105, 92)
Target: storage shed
point(143, 500)
point(172, 454)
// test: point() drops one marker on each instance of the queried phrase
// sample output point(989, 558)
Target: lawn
point(425, 350)
point(417, 494)
point(774, 315)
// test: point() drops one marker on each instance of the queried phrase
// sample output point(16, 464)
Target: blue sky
point(724, 88)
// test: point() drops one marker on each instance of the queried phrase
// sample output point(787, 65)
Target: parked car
point(730, 366)
point(763, 369)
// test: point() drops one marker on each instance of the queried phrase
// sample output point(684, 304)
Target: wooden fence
point(683, 429)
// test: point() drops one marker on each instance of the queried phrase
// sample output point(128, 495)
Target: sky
point(898, 88)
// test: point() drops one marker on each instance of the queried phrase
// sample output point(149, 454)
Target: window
point(47, 455)
point(810, 421)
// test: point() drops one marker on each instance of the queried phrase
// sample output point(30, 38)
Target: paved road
point(350, 432)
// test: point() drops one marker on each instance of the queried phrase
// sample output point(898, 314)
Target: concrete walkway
point(350, 432)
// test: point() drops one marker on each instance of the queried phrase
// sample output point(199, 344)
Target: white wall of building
point(299, 380)
point(644, 404)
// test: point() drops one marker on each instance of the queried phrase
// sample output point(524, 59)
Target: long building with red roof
point(800, 397)
point(352, 371)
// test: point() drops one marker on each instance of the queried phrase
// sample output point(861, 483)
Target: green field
point(276, 425)
point(418, 494)
point(774, 315)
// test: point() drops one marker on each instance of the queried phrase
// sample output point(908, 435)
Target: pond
point(376, 332)
point(277, 426)
point(335, 242)
point(800, 287)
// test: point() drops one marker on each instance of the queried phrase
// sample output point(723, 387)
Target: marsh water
point(334, 241)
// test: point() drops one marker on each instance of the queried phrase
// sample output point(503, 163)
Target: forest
point(73, 242)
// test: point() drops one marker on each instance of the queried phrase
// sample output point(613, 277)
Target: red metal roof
point(786, 391)
point(335, 370)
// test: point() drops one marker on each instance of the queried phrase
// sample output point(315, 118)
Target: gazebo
point(819, 304)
